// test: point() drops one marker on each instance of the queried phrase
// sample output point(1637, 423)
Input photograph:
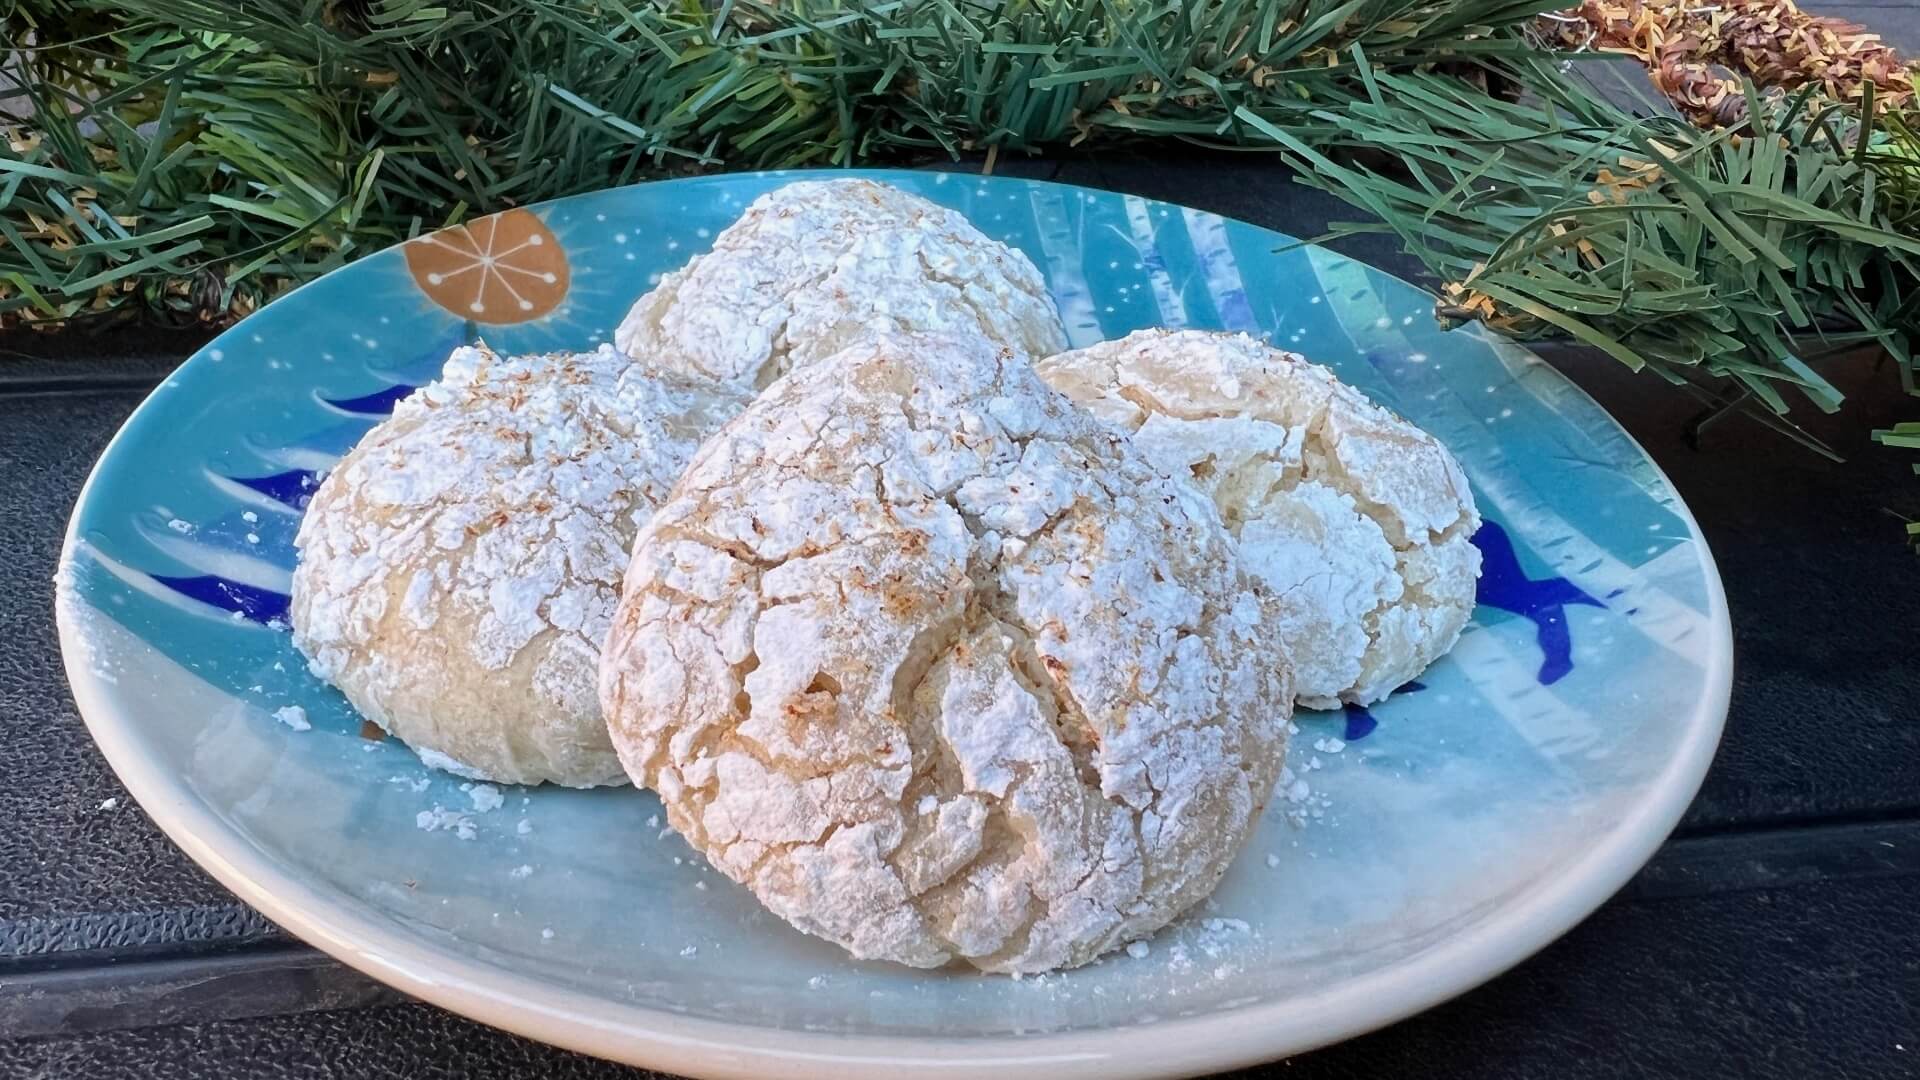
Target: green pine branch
point(1670, 248)
point(192, 157)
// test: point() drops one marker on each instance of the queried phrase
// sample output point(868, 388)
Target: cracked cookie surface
point(942, 669)
point(459, 567)
point(1357, 522)
point(814, 266)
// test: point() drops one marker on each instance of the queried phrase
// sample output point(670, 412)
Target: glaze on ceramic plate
point(1414, 849)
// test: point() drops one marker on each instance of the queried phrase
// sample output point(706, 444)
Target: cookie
point(458, 569)
point(1358, 522)
point(815, 266)
point(942, 669)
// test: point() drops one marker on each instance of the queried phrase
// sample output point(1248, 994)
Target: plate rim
point(698, 1046)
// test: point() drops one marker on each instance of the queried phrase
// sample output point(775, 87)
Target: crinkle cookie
point(1356, 520)
point(458, 569)
point(817, 265)
point(942, 669)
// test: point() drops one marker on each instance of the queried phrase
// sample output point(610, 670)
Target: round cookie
point(942, 669)
point(459, 567)
point(1357, 521)
point(814, 266)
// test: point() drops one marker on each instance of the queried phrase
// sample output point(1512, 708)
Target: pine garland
point(192, 157)
point(1683, 251)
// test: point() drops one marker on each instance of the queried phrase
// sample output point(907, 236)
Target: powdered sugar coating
point(1358, 521)
point(815, 266)
point(943, 670)
point(459, 567)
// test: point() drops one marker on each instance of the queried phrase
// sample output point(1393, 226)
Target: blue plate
point(1448, 833)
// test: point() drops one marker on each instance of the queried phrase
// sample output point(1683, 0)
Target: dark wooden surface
point(1777, 934)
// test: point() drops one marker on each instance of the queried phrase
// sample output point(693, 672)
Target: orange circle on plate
point(503, 268)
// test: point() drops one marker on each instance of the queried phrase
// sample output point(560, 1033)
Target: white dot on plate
point(599, 217)
point(1382, 322)
point(216, 355)
point(703, 232)
point(1418, 358)
point(1315, 300)
point(1504, 413)
point(1407, 321)
point(476, 307)
point(619, 238)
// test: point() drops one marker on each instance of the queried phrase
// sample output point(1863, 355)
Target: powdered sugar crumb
point(434, 759)
point(485, 797)
point(293, 716)
point(440, 819)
